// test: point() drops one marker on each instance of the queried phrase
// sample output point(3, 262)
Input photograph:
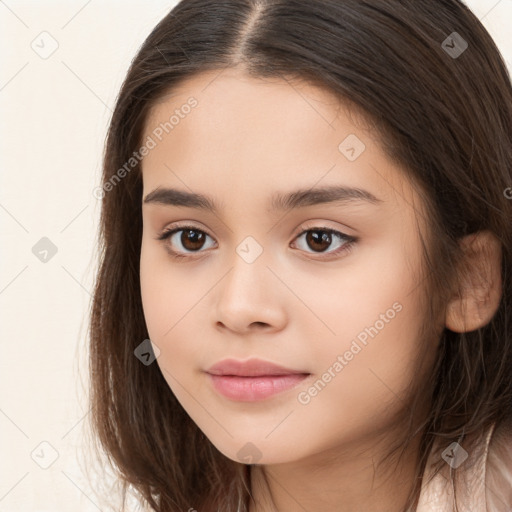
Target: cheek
point(162, 293)
point(375, 314)
point(171, 302)
point(364, 374)
point(162, 307)
point(351, 298)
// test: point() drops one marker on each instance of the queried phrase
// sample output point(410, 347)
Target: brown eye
point(318, 240)
point(191, 240)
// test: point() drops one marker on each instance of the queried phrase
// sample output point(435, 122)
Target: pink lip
point(250, 368)
point(252, 380)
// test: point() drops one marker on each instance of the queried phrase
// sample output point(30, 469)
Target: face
point(323, 282)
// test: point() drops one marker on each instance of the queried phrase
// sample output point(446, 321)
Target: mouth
point(251, 368)
point(253, 380)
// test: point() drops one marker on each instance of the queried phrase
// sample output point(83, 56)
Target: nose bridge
point(248, 292)
point(247, 276)
point(250, 250)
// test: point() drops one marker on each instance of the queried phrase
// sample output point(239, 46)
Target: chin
point(247, 452)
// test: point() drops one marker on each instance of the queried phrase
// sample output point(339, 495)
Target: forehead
point(232, 88)
point(237, 114)
point(248, 134)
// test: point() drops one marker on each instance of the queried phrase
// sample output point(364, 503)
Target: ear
point(479, 286)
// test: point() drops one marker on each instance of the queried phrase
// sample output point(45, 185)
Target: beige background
point(54, 113)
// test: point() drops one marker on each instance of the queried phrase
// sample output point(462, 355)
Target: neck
point(341, 479)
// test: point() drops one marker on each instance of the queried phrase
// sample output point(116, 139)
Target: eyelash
point(346, 247)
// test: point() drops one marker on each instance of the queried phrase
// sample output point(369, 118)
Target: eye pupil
point(324, 239)
point(195, 237)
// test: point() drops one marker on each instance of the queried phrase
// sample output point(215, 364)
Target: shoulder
point(484, 480)
point(498, 475)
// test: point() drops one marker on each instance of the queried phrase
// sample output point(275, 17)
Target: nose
point(250, 298)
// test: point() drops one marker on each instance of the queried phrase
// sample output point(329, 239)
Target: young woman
point(303, 301)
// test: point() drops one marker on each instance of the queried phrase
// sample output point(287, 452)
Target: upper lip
point(250, 368)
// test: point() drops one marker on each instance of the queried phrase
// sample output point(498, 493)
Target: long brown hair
point(444, 117)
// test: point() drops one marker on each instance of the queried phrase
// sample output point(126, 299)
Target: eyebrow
point(280, 201)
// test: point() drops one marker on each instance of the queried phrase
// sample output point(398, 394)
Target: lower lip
point(252, 389)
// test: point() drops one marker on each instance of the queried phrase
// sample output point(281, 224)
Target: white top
point(484, 479)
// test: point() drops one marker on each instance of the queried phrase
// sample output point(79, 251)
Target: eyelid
point(319, 224)
point(176, 226)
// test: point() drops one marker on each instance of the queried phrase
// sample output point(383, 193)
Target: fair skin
point(297, 304)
